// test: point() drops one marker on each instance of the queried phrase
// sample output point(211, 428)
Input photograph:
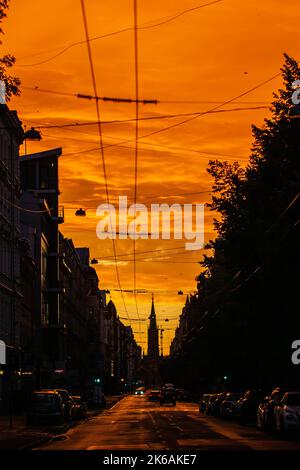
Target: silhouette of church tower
point(153, 347)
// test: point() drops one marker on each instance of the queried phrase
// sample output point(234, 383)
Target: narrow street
point(136, 424)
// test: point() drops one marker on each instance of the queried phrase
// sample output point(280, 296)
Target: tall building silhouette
point(153, 347)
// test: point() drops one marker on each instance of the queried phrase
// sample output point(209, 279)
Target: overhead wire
point(136, 75)
point(103, 36)
point(99, 127)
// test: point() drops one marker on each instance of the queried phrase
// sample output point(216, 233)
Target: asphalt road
point(134, 423)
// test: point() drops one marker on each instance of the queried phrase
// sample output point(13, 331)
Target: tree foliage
point(245, 315)
point(7, 61)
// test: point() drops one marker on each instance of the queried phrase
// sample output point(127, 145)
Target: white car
point(287, 413)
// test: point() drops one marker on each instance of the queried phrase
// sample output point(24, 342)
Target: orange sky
point(209, 54)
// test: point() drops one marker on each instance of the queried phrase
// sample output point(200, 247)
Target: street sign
point(2, 353)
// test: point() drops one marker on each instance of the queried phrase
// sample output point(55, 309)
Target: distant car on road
point(46, 406)
point(203, 402)
point(210, 404)
point(217, 403)
point(169, 386)
point(168, 395)
point(154, 395)
point(265, 413)
point(228, 404)
point(140, 391)
point(287, 413)
point(80, 407)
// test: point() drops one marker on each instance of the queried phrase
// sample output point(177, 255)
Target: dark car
point(154, 395)
point(140, 391)
point(168, 395)
point(46, 406)
point(217, 403)
point(210, 404)
point(247, 406)
point(228, 405)
point(265, 412)
point(67, 400)
point(79, 410)
point(203, 402)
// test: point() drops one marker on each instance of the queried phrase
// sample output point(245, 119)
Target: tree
point(7, 61)
point(248, 290)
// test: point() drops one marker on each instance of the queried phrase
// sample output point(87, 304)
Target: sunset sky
point(191, 64)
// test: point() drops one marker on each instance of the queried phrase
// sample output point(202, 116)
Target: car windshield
point(64, 394)
point(76, 399)
point(43, 397)
point(233, 396)
point(293, 400)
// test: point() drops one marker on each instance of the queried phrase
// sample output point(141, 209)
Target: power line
point(99, 126)
point(155, 261)
point(48, 211)
point(215, 108)
point(195, 114)
point(162, 21)
point(152, 144)
point(145, 252)
point(136, 74)
point(140, 137)
point(91, 97)
point(132, 100)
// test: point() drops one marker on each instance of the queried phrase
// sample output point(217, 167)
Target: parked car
point(210, 404)
point(265, 412)
point(169, 385)
point(287, 413)
point(154, 395)
point(217, 403)
point(228, 405)
point(46, 406)
point(80, 407)
point(140, 391)
point(168, 395)
point(246, 407)
point(203, 402)
point(67, 400)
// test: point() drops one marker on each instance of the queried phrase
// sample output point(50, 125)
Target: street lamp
point(32, 134)
point(80, 213)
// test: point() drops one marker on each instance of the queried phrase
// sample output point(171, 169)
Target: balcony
point(60, 218)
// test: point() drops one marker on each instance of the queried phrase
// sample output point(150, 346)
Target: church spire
point(153, 350)
point(152, 314)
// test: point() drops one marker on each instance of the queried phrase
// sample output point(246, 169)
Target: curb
point(36, 443)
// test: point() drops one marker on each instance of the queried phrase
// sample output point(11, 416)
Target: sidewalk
point(24, 437)
point(20, 436)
